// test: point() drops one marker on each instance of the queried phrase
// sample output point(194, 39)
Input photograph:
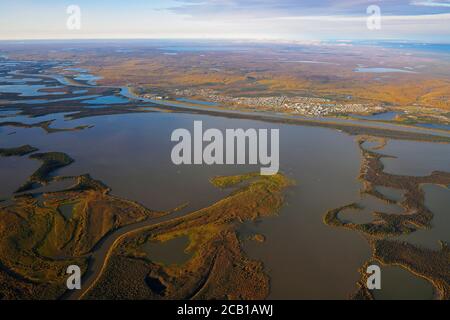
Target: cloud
point(274, 8)
point(412, 18)
point(268, 7)
point(252, 19)
point(432, 3)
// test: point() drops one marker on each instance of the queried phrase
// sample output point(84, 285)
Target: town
point(305, 106)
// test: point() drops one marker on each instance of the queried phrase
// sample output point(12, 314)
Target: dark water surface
point(399, 284)
point(169, 252)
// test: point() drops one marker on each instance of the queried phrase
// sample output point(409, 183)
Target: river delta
point(87, 179)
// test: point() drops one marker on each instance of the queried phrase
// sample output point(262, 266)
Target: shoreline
point(352, 127)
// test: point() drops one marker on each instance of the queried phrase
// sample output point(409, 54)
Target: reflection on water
point(399, 284)
point(206, 103)
point(368, 205)
point(434, 126)
point(54, 186)
point(131, 154)
point(301, 254)
point(437, 199)
point(79, 91)
point(97, 107)
point(108, 100)
point(66, 210)
point(88, 78)
point(370, 145)
point(390, 115)
point(391, 193)
point(416, 158)
point(59, 122)
point(11, 80)
point(8, 112)
point(27, 90)
point(14, 171)
point(77, 70)
point(169, 252)
point(42, 101)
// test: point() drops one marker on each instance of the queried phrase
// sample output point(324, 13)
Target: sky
point(421, 20)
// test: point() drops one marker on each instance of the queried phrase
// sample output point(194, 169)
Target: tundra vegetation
point(44, 125)
point(218, 267)
point(17, 151)
point(306, 79)
point(429, 264)
point(38, 242)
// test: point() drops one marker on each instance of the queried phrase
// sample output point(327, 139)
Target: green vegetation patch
point(51, 162)
point(218, 268)
point(18, 151)
point(224, 182)
point(429, 264)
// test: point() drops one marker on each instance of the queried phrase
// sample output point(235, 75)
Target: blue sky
point(231, 19)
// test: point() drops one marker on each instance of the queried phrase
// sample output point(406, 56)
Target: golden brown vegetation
point(269, 73)
point(38, 243)
point(45, 125)
point(18, 151)
point(218, 268)
point(51, 161)
point(432, 265)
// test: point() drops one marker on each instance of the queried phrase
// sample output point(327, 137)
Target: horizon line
point(249, 39)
